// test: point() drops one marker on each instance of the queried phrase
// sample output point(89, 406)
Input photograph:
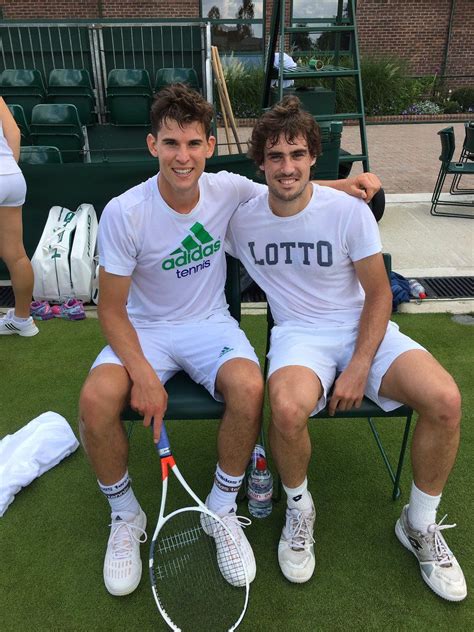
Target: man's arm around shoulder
point(363, 186)
point(350, 385)
point(147, 395)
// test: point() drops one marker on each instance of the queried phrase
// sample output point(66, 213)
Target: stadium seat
point(129, 96)
point(71, 85)
point(58, 125)
point(40, 155)
point(23, 87)
point(186, 399)
point(18, 114)
point(166, 76)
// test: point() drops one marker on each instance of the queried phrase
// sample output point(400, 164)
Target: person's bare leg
point(241, 384)
point(294, 392)
point(14, 255)
point(417, 379)
point(102, 399)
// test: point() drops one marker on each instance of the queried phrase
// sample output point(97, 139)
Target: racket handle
point(163, 443)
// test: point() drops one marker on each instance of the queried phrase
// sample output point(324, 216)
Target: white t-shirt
point(176, 260)
point(304, 262)
point(8, 165)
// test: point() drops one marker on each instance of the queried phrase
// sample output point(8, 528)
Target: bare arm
point(10, 129)
point(147, 395)
point(350, 385)
point(363, 186)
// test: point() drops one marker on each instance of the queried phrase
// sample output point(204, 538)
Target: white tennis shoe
point(296, 546)
point(439, 568)
point(9, 326)
point(229, 559)
point(122, 564)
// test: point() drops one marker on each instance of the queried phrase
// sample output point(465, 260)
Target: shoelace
point(439, 546)
point(233, 522)
point(300, 532)
point(122, 535)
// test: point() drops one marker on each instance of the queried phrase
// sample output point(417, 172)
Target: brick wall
point(414, 29)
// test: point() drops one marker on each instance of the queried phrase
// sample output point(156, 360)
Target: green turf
point(52, 538)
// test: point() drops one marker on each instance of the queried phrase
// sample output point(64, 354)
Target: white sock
point(422, 509)
point(299, 497)
point(121, 497)
point(17, 319)
point(224, 491)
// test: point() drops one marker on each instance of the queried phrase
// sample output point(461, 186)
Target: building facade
point(434, 36)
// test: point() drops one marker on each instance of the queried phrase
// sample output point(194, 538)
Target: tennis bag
point(63, 260)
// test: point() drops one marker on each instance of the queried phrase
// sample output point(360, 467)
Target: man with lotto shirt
point(162, 309)
point(316, 252)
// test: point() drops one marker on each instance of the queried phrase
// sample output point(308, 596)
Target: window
point(323, 9)
point(237, 25)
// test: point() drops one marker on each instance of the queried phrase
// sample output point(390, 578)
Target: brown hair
point(288, 118)
point(180, 103)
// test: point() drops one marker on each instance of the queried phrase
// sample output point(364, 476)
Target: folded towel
point(31, 451)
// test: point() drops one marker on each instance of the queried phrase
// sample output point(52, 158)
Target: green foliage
point(452, 107)
point(244, 85)
point(465, 98)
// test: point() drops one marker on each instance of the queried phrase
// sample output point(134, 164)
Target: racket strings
point(191, 578)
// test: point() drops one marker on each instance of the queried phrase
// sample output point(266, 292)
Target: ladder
point(344, 22)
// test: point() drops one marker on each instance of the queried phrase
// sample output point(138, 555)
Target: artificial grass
point(53, 536)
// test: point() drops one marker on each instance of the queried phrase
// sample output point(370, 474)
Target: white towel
point(31, 451)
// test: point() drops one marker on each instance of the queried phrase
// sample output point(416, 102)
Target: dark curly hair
point(178, 102)
point(288, 118)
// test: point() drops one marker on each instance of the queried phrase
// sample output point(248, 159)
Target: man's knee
point(103, 395)
point(242, 386)
point(445, 407)
point(289, 416)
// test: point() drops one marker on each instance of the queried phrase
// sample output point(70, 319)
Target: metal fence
point(100, 47)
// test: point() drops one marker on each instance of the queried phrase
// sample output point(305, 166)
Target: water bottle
point(416, 289)
point(260, 489)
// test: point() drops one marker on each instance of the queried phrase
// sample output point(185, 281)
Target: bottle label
point(260, 497)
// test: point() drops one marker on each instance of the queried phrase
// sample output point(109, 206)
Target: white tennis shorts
point(12, 189)
point(328, 351)
point(200, 348)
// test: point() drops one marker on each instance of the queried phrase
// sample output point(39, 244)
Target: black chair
point(129, 96)
point(186, 399)
point(18, 114)
point(40, 155)
point(467, 154)
point(58, 125)
point(450, 168)
point(166, 76)
point(368, 410)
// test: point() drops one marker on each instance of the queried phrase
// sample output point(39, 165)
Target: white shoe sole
point(399, 532)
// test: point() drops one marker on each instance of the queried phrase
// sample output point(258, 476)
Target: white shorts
point(200, 348)
point(328, 351)
point(12, 189)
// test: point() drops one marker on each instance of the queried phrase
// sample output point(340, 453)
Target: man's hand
point(364, 186)
point(149, 398)
point(348, 389)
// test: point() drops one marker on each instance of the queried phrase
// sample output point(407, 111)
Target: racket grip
point(163, 443)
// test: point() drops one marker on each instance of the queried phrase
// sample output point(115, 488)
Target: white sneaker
point(228, 559)
point(9, 326)
point(122, 564)
point(296, 546)
point(439, 568)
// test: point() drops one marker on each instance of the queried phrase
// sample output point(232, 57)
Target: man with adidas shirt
point(162, 309)
point(316, 253)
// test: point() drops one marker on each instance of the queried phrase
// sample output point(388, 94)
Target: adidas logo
point(225, 350)
point(193, 248)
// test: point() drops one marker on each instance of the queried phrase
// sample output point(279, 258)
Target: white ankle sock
point(299, 497)
point(224, 491)
point(120, 496)
point(422, 509)
point(17, 319)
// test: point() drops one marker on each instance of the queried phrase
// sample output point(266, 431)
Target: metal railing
point(102, 46)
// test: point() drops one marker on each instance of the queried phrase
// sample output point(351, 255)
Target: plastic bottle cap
point(261, 464)
point(422, 295)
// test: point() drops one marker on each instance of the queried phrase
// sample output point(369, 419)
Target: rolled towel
point(31, 451)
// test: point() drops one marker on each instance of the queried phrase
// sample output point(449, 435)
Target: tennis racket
point(198, 577)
